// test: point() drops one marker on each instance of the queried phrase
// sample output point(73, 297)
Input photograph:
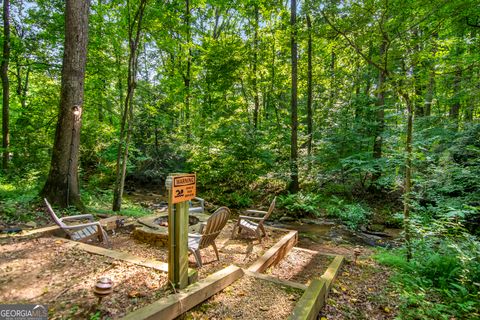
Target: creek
point(315, 230)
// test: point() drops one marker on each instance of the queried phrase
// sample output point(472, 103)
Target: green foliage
point(441, 281)
point(449, 187)
point(302, 204)
point(96, 316)
point(352, 215)
point(18, 195)
point(100, 201)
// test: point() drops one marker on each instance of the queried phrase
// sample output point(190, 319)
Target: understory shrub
point(442, 281)
point(352, 215)
point(301, 204)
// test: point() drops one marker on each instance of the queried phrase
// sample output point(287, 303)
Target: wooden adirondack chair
point(79, 232)
point(253, 222)
point(208, 233)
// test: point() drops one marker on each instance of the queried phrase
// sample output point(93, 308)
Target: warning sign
point(184, 188)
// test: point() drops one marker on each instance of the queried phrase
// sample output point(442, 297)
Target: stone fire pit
point(154, 229)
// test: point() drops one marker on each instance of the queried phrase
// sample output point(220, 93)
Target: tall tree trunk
point(5, 84)
point(333, 59)
point(309, 89)
point(380, 116)
point(22, 88)
point(294, 186)
point(187, 78)
point(431, 78)
point(62, 186)
point(455, 105)
point(255, 62)
point(417, 72)
point(271, 94)
point(408, 175)
point(429, 93)
point(134, 32)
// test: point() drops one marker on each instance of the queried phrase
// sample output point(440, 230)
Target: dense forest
point(363, 111)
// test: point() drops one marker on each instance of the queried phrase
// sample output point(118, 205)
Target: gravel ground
point(301, 266)
point(247, 298)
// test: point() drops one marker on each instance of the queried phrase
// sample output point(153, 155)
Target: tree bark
point(431, 78)
point(380, 116)
point(5, 84)
point(134, 31)
point(62, 186)
point(455, 106)
point(255, 62)
point(429, 93)
point(294, 185)
point(408, 175)
point(188, 72)
point(309, 88)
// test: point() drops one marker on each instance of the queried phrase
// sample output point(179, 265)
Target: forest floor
point(362, 290)
point(44, 270)
point(47, 271)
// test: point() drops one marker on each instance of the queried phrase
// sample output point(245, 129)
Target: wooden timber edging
point(332, 272)
point(45, 231)
point(124, 256)
point(275, 280)
point(174, 305)
point(314, 297)
point(311, 302)
point(323, 253)
point(275, 253)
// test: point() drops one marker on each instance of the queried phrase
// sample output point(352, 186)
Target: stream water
point(323, 230)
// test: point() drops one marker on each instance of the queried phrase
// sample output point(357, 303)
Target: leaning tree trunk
point(134, 32)
point(62, 186)
point(309, 91)
point(380, 118)
point(5, 83)
point(187, 78)
point(294, 186)
point(255, 62)
point(408, 175)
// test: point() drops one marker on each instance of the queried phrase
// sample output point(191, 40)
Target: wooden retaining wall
point(174, 305)
point(314, 297)
point(275, 253)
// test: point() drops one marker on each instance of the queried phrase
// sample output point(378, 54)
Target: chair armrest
point(78, 217)
point(256, 212)
point(202, 202)
point(199, 209)
point(194, 235)
point(83, 225)
point(250, 218)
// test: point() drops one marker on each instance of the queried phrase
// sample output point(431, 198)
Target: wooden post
point(178, 233)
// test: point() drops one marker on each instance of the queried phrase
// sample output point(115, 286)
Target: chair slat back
point(214, 226)
point(53, 215)
point(270, 209)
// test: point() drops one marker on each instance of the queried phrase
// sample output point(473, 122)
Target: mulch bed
point(248, 298)
point(301, 266)
point(45, 271)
